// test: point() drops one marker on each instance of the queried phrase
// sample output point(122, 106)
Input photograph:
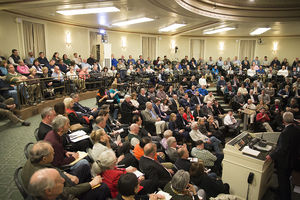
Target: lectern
point(238, 165)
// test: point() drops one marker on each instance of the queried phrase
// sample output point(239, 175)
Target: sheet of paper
point(249, 151)
point(78, 136)
point(82, 155)
point(165, 194)
point(297, 189)
point(193, 159)
point(137, 172)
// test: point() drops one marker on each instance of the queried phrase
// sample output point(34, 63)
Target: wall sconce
point(68, 39)
point(173, 45)
point(221, 49)
point(124, 43)
point(275, 44)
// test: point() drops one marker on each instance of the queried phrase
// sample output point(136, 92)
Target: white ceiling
point(245, 15)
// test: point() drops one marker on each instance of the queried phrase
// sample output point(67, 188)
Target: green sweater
point(12, 78)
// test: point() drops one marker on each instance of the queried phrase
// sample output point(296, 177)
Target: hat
point(30, 51)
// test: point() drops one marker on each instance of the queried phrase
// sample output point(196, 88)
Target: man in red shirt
point(263, 119)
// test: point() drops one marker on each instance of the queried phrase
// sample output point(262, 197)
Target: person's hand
point(158, 119)
point(268, 158)
point(94, 109)
point(208, 142)
point(160, 154)
point(97, 180)
point(184, 146)
point(141, 178)
point(149, 135)
point(121, 157)
point(191, 189)
point(152, 196)
point(171, 171)
point(131, 169)
point(91, 117)
point(11, 106)
point(136, 111)
point(209, 133)
point(74, 179)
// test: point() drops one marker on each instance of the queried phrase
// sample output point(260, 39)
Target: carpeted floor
point(14, 139)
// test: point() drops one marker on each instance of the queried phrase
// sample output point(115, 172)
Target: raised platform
point(35, 110)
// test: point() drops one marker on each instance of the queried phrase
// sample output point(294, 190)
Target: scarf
point(229, 88)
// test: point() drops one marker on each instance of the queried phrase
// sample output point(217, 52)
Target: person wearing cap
point(265, 62)
point(30, 58)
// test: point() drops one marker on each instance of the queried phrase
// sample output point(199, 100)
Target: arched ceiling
point(245, 15)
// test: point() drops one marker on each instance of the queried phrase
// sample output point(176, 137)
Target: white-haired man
point(151, 116)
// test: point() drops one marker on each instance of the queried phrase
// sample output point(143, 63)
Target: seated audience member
point(265, 97)
point(221, 85)
point(105, 166)
point(167, 134)
point(213, 128)
point(128, 109)
point(77, 118)
point(14, 58)
point(86, 64)
point(157, 108)
point(245, 65)
point(212, 161)
point(197, 114)
point(152, 169)
point(91, 60)
point(175, 104)
point(47, 114)
point(285, 83)
point(202, 81)
point(42, 59)
point(243, 90)
point(134, 101)
point(207, 73)
point(183, 162)
point(164, 107)
point(203, 129)
point(261, 105)
point(209, 142)
point(128, 187)
point(177, 127)
point(208, 110)
point(215, 72)
point(6, 110)
point(229, 91)
point(285, 94)
point(218, 110)
point(293, 107)
point(180, 92)
point(3, 70)
point(212, 187)
point(58, 80)
point(180, 188)
point(235, 83)
point(209, 97)
point(173, 148)
point(196, 99)
point(282, 72)
point(84, 74)
point(62, 66)
point(77, 59)
point(275, 61)
point(150, 116)
point(265, 62)
point(138, 150)
point(180, 121)
point(251, 73)
point(77, 182)
point(161, 93)
point(185, 101)
point(263, 119)
point(114, 93)
point(22, 68)
point(251, 96)
point(276, 108)
point(170, 92)
point(250, 105)
point(142, 99)
point(239, 101)
point(294, 74)
point(60, 125)
point(270, 90)
point(101, 97)
point(187, 115)
point(34, 87)
point(231, 122)
point(83, 109)
point(202, 91)
point(72, 76)
point(55, 57)
point(133, 136)
point(51, 66)
point(37, 66)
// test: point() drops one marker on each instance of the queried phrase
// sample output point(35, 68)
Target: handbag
point(75, 127)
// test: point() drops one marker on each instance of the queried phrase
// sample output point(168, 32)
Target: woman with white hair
point(105, 166)
point(180, 188)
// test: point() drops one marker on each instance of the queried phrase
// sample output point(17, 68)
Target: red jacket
point(110, 178)
point(185, 117)
point(260, 118)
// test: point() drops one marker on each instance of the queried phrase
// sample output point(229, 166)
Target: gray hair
point(194, 124)
point(277, 100)
point(58, 122)
point(99, 119)
point(73, 95)
point(104, 162)
point(168, 133)
point(148, 103)
point(39, 151)
point(127, 96)
point(180, 180)
point(46, 111)
point(67, 102)
point(170, 140)
point(288, 117)
point(42, 182)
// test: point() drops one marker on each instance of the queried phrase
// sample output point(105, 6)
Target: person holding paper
point(60, 125)
point(105, 166)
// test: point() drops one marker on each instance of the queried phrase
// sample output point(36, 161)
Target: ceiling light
point(133, 21)
point(88, 11)
point(171, 27)
point(218, 30)
point(259, 31)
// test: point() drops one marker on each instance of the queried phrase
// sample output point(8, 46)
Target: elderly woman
point(34, 86)
point(212, 187)
point(114, 93)
point(261, 105)
point(105, 166)
point(74, 78)
point(180, 188)
point(242, 89)
point(74, 117)
point(167, 134)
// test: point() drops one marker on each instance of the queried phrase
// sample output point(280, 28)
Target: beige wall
point(11, 37)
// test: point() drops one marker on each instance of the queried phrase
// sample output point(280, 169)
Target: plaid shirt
point(207, 157)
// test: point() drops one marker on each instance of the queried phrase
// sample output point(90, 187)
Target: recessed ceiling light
point(171, 27)
point(133, 21)
point(218, 30)
point(88, 11)
point(259, 31)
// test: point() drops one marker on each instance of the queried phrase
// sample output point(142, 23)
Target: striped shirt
point(207, 157)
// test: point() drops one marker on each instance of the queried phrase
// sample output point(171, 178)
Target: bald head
point(134, 128)
point(150, 150)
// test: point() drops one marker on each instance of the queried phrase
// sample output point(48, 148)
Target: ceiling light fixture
point(171, 27)
point(88, 11)
point(217, 30)
point(133, 21)
point(259, 31)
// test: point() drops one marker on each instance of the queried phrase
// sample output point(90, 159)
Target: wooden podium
point(237, 166)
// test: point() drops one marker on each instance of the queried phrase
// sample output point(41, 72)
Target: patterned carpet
point(14, 139)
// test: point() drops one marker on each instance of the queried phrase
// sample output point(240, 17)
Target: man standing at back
point(286, 155)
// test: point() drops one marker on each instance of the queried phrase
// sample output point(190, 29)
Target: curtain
point(34, 38)
point(197, 48)
point(247, 49)
point(149, 47)
point(93, 42)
